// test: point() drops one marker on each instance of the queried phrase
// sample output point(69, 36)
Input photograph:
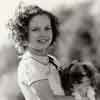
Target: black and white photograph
point(50, 50)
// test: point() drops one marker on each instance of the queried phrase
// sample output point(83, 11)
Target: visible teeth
point(43, 40)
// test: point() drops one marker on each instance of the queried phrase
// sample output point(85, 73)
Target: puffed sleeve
point(30, 71)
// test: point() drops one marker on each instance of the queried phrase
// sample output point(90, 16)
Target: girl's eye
point(35, 29)
point(48, 28)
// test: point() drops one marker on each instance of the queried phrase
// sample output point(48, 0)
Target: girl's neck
point(38, 52)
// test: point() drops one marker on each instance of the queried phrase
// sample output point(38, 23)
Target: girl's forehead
point(39, 21)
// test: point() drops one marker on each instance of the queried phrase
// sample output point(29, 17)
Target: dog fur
point(74, 74)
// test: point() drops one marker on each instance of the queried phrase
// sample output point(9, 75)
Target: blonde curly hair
point(19, 24)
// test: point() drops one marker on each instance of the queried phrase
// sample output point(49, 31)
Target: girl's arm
point(45, 93)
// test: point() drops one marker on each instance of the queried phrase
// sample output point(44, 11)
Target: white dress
point(35, 68)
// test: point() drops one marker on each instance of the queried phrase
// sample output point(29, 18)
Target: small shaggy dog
point(78, 80)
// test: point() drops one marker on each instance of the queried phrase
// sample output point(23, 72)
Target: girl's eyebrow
point(34, 27)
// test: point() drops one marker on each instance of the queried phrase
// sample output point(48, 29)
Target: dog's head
point(77, 73)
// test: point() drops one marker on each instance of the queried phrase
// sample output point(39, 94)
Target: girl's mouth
point(43, 40)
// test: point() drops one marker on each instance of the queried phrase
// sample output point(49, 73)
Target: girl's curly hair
point(19, 24)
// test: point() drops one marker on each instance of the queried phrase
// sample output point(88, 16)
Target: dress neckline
point(41, 59)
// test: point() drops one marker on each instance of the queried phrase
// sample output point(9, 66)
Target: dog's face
point(80, 72)
point(76, 74)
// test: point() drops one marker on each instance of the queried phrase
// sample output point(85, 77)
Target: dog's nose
point(84, 73)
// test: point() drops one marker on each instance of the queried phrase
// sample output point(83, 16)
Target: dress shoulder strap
point(51, 60)
point(57, 66)
point(55, 62)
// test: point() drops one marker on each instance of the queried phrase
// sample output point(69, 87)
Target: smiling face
point(40, 32)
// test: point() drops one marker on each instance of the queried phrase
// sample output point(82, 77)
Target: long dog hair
point(74, 74)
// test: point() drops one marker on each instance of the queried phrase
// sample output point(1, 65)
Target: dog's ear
point(90, 66)
point(66, 80)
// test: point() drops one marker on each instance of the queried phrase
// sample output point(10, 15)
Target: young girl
point(35, 30)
